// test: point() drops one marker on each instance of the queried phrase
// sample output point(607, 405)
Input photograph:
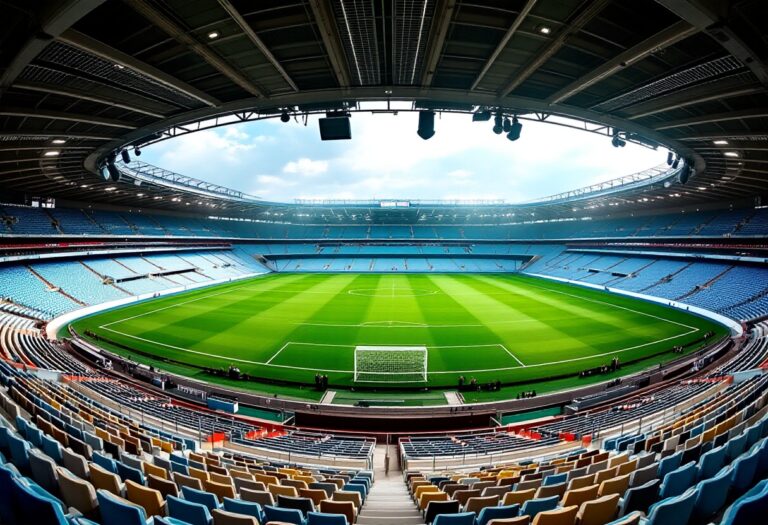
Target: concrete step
point(389, 520)
point(391, 512)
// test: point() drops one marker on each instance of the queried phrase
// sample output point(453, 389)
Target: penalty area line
point(512, 355)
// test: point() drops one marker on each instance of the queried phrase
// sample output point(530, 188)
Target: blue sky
point(386, 159)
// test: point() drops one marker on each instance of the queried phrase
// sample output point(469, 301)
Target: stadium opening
point(327, 262)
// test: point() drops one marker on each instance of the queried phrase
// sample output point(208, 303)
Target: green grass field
point(288, 327)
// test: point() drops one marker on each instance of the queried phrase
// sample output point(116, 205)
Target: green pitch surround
point(286, 328)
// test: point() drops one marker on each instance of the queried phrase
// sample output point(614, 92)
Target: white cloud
point(306, 167)
point(386, 159)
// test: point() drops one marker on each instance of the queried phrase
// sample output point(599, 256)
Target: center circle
point(391, 292)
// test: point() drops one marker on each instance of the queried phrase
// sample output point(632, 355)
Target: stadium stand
point(92, 433)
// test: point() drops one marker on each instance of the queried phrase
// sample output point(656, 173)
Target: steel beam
point(256, 41)
point(442, 19)
point(571, 26)
point(102, 50)
point(55, 19)
point(665, 38)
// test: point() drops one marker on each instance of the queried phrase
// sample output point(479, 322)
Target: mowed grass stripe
point(540, 331)
point(246, 337)
point(323, 341)
point(443, 309)
point(547, 325)
point(608, 326)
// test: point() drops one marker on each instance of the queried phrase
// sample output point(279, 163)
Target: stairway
point(389, 503)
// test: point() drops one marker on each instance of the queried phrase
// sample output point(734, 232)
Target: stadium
point(176, 350)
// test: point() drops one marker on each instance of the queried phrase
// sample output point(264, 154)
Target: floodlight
point(670, 158)
point(114, 173)
point(126, 156)
point(481, 116)
point(515, 129)
point(676, 162)
point(285, 116)
point(507, 125)
point(685, 172)
point(497, 125)
point(426, 125)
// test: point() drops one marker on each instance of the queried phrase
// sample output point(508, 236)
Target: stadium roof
point(80, 79)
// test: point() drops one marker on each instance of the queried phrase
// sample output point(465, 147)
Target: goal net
point(391, 364)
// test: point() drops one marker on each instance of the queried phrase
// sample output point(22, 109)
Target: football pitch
point(290, 327)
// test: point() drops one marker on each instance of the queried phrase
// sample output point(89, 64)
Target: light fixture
point(52, 153)
point(676, 162)
point(213, 35)
point(685, 172)
point(670, 158)
point(59, 141)
point(114, 173)
point(720, 142)
point(126, 156)
point(545, 30)
point(731, 154)
point(497, 124)
point(111, 188)
point(137, 151)
point(285, 116)
point(515, 129)
point(481, 116)
point(426, 125)
point(139, 194)
point(84, 186)
point(507, 125)
point(119, 66)
point(618, 142)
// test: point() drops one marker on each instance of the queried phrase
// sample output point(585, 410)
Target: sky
point(385, 159)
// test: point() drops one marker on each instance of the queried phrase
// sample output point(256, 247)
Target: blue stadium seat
point(321, 518)
point(188, 511)
point(497, 513)
point(669, 463)
point(712, 493)
point(744, 469)
point(640, 497)
point(672, 511)
point(536, 505)
point(272, 513)
point(202, 497)
point(749, 509)
point(117, 511)
point(460, 518)
point(678, 481)
point(711, 462)
point(244, 507)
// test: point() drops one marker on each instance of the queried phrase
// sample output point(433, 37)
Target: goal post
point(390, 364)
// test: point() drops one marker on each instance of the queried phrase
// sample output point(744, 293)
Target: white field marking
point(277, 353)
point(216, 356)
point(513, 355)
point(574, 359)
point(615, 306)
point(208, 296)
point(502, 369)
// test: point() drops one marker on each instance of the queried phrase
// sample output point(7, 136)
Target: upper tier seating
point(57, 221)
